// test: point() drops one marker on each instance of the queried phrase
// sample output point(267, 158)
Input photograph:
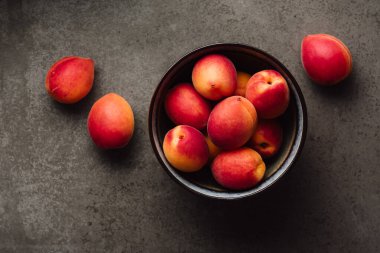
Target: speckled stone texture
point(59, 193)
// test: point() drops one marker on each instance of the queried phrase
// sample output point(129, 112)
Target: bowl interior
point(245, 59)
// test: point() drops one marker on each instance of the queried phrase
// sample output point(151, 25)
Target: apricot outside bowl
point(251, 60)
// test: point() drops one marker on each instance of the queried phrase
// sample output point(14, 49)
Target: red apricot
point(238, 169)
point(214, 77)
point(111, 122)
point(326, 59)
point(70, 79)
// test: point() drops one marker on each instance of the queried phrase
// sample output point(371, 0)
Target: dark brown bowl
point(250, 60)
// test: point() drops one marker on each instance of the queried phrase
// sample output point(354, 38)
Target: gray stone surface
point(59, 193)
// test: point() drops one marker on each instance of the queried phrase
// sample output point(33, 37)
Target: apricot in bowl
point(249, 60)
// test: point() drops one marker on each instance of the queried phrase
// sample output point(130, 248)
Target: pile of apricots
point(237, 133)
point(234, 135)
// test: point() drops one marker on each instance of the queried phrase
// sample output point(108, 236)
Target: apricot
point(70, 79)
point(242, 81)
point(267, 138)
point(185, 148)
point(232, 122)
point(213, 149)
point(111, 122)
point(185, 106)
point(214, 77)
point(238, 169)
point(268, 91)
point(325, 58)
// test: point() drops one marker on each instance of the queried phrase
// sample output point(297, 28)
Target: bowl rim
point(284, 167)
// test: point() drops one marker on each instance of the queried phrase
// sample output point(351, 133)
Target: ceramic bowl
point(250, 60)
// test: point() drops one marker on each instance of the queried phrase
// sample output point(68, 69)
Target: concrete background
point(59, 193)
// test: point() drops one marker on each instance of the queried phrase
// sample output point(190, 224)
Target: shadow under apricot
point(346, 89)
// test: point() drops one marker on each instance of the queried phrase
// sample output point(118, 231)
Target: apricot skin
point(326, 59)
point(232, 122)
point(238, 169)
point(185, 106)
point(268, 91)
point(267, 138)
point(111, 122)
point(213, 149)
point(185, 148)
point(214, 77)
point(242, 81)
point(70, 79)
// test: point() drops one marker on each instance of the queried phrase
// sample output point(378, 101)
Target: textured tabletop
point(59, 193)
